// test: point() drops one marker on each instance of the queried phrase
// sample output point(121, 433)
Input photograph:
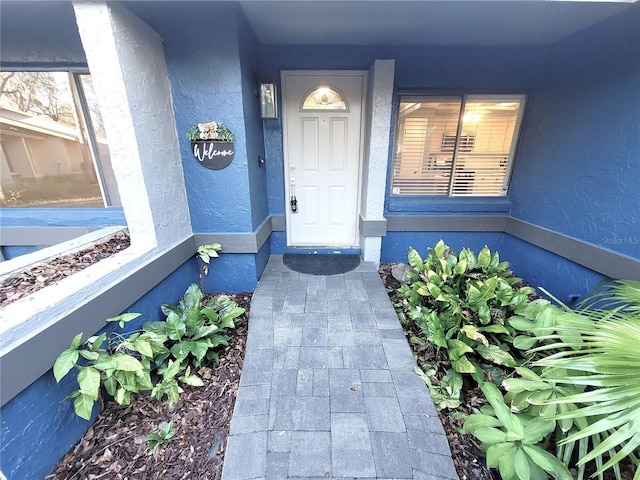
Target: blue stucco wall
point(395, 245)
point(249, 65)
point(542, 268)
point(202, 52)
point(232, 273)
point(62, 217)
point(29, 41)
point(38, 427)
point(578, 168)
point(9, 252)
point(212, 59)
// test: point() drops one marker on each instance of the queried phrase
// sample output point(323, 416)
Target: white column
point(380, 96)
point(129, 73)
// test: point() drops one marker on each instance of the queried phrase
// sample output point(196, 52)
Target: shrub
point(121, 366)
point(572, 377)
point(511, 440)
point(193, 331)
point(461, 303)
point(585, 378)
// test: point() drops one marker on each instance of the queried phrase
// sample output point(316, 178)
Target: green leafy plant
point(444, 392)
point(209, 131)
point(193, 133)
point(119, 365)
point(511, 440)
point(193, 332)
point(461, 303)
point(598, 344)
point(528, 391)
point(161, 437)
point(206, 253)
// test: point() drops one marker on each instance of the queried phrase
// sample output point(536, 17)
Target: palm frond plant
point(599, 346)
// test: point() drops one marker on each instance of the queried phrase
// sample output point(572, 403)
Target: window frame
point(460, 138)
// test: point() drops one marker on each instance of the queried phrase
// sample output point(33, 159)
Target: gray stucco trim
point(593, 257)
point(21, 236)
point(21, 366)
point(606, 262)
point(239, 242)
point(451, 223)
point(373, 228)
point(278, 223)
point(40, 236)
point(231, 242)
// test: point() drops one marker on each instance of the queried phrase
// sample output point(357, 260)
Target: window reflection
point(49, 155)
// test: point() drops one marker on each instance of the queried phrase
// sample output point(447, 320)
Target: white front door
point(322, 148)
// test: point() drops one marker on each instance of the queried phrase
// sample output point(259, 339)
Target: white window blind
point(456, 146)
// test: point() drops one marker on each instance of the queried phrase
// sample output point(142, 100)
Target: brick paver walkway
point(328, 388)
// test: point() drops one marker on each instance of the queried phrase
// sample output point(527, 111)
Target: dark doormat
point(321, 264)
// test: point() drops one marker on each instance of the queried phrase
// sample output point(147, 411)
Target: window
point(324, 98)
point(54, 150)
point(456, 145)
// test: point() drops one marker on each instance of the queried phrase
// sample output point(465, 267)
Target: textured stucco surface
point(29, 40)
point(129, 72)
point(62, 217)
point(381, 80)
point(249, 64)
point(578, 170)
point(207, 84)
point(541, 268)
point(218, 84)
point(374, 177)
point(395, 245)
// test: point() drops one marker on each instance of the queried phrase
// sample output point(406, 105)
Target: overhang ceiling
point(346, 22)
point(427, 22)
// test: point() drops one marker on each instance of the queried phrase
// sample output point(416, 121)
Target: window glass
point(456, 146)
point(50, 156)
point(324, 98)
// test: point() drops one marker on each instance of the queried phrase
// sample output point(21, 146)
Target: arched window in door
point(324, 98)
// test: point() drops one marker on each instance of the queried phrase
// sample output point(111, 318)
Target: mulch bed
point(39, 276)
point(115, 446)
